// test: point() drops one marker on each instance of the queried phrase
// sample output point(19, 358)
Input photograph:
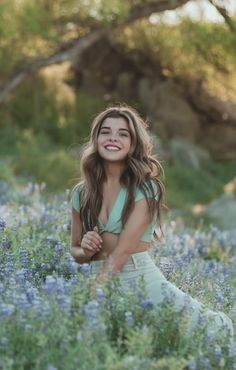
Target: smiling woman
point(114, 138)
point(117, 206)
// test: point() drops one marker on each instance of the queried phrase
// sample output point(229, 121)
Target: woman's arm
point(82, 249)
point(128, 241)
point(76, 235)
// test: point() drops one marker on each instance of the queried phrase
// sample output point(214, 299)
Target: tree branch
point(78, 46)
point(223, 12)
point(146, 9)
point(69, 51)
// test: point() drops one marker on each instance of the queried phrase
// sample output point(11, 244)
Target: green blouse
point(114, 224)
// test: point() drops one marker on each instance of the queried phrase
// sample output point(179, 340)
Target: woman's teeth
point(112, 148)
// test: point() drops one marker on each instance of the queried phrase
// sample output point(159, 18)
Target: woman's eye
point(125, 135)
point(104, 132)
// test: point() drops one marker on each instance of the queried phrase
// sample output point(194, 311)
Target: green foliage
point(186, 187)
point(60, 120)
point(104, 11)
point(38, 159)
point(6, 172)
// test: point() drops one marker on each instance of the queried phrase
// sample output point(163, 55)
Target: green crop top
point(114, 224)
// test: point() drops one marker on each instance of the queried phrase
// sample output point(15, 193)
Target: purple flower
point(20, 276)
point(3, 224)
point(51, 367)
point(91, 309)
point(6, 243)
point(6, 310)
point(192, 365)
point(100, 294)
point(85, 269)
point(147, 304)
point(50, 284)
point(4, 343)
point(129, 318)
point(24, 259)
point(64, 301)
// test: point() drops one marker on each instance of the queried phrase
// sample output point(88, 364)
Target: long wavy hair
point(142, 170)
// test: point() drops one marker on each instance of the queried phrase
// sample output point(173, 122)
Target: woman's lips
point(112, 147)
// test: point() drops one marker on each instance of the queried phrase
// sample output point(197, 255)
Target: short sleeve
point(75, 200)
point(140, 195)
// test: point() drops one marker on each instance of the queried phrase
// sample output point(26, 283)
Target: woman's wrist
point(79, 254)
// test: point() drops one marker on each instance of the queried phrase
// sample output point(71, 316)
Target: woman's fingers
point(92, 241)
point(94, 237)
point(90, 244)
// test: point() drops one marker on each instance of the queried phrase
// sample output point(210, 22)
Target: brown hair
point(141, 171)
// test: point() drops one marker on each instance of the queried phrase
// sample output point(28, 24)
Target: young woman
point(117, 205)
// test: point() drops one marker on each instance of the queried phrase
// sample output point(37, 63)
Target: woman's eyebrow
point(107, 127)
point(123, 129)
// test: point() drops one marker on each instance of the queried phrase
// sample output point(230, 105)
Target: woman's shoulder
point(78, 187)
point(148, 189)
point(75, 198)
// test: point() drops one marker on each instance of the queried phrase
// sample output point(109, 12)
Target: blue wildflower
point(91, 309)
point(85, 269)
point(6, 310)
point(3, 224)
point(50, 285)
point(147, 304)
point(129, 318)
point(100, 294)
point(4, 343)
point(6, 243)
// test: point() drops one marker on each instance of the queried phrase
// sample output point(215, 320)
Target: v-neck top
point(114, 224)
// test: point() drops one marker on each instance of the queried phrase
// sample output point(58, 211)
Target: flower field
point(49, 319)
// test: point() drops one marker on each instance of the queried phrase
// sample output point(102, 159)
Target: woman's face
point(114, 139)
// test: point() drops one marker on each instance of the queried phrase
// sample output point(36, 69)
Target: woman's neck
point(113, 172)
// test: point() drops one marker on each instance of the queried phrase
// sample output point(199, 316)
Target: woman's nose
point(113, 137)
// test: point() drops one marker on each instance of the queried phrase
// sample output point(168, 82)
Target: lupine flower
point(192, 365)
point(205, 363)
point(232, 349)
point(50, 285)
point(6, 310)
point(91, 309)
point(51, 367)
point(129, 318)
point(71, 265)
point(3, 343)
point(147, 304)
point(6, 243)
point(3, 224)
point(85, 269)
point(20, 277)
point(64, 301)
point(9, 268)
point(100, 294)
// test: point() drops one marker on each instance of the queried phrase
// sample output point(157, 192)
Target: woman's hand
point(91, 242)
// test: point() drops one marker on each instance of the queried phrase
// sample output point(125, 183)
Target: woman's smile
point(114, 137)
point(112, 147)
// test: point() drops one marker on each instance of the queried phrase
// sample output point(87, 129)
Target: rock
point(223, 211)
point(188, 154)
point(171, 114)
point(224, 149)
point(126, 84)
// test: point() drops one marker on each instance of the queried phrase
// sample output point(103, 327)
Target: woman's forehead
point(112, 122)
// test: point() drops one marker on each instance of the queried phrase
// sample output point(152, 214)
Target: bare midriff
point(109, 243)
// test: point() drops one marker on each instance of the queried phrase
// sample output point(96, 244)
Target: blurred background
point(62, 62)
